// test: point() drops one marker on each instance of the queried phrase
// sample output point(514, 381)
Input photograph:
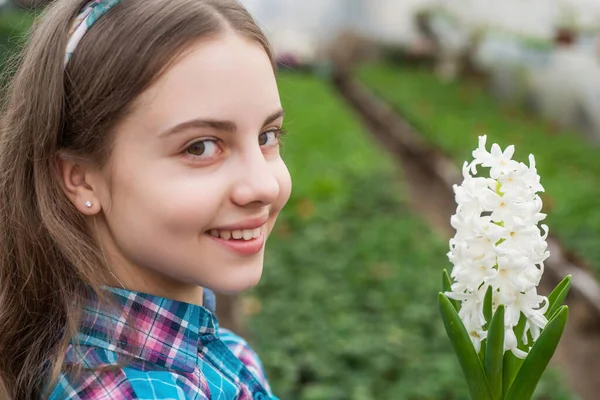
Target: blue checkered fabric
point(176, 351)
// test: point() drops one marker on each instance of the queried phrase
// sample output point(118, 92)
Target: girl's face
point(196, 181)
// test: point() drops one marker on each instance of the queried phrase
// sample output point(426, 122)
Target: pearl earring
point(88, 204)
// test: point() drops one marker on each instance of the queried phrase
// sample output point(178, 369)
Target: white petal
point(510, 340)
point(519, 353)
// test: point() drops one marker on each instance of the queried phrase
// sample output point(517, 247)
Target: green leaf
point(467, 356)
point(558, 296)
point(494, 353)
point(538, 358)
point(481, 353)
point(487, 307)
point(447, 285)
point(487, 313)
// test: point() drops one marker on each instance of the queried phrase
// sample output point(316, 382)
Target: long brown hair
point(49, 258)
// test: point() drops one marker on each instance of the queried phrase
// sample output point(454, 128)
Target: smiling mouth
point(241, 234)
point(244, 242)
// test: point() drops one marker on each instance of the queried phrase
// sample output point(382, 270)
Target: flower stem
point(498, 187)
point(512, 363)
point(519, 330)
point(510, 367)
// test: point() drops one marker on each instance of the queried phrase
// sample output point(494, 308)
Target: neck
point(130, 276)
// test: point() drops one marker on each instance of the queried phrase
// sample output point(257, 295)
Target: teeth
point(246, 234)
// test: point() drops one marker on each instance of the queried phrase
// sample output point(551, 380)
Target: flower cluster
point(498, 243)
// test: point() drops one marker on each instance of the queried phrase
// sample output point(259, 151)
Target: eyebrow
point(226, 126)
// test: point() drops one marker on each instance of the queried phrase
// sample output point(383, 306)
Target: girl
point(140, 168)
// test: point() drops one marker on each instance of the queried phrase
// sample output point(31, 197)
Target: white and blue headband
point(88, 16)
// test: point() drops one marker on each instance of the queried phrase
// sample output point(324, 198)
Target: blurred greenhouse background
point(384, 100)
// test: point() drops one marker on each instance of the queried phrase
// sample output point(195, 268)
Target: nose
point(257, 183)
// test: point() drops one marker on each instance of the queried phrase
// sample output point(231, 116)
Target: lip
point(251, 223)
point(240, 246)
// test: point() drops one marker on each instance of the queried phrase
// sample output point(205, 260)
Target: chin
point(236, 283)
point(234, 289)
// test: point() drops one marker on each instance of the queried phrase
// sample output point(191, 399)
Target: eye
point(269, 138)
point(204, 148)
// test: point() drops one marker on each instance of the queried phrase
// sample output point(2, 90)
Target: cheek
point(175, 203)
point(284, 179)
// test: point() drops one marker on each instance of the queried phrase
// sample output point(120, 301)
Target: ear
point(79, 185)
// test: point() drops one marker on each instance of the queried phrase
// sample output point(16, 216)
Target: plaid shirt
point(181, 354)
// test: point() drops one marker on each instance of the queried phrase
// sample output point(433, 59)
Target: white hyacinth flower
point(498, 243)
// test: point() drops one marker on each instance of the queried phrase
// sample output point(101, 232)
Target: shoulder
point(242, 350)
point(90, 383)
point(93, 384)
point(105, 379)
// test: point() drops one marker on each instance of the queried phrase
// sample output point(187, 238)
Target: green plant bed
point(451, 116)
point(347, 305)
point(14, 27)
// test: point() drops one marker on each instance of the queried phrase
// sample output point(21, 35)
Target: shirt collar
point(152, 328)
